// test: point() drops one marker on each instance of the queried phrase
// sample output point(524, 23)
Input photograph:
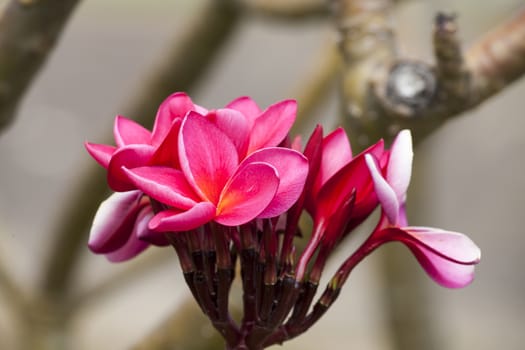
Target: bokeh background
point(468, 177)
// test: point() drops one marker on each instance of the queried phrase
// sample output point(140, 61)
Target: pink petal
point(134, 245)
point(101, 153)
point(235, 125)
point(114, 221)
point(128, 132)
point(175, 106)
point(386, 195)
point(166, 185)
point(167, 152)
point(207, 156)
point(272, 126)
point(445, 272)
point(247, 194)
point(131, 156)
point(399, 167)
point(353, 176)
point(450, 245)
point(313, 151)
point(173, 220)
point(246, 106)
point(292, 170)
point(336, 154)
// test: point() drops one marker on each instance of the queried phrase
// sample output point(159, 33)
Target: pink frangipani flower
point(448, 257)
point(215, 184)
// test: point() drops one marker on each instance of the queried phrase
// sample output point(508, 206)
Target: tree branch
point(29, 30)
point(287, 9)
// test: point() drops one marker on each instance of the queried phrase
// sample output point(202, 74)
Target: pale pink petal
point(292, 169)
point(167, 152)
point(114, 221)
point(272, 126)
point(450, 245)
point(101, 153)
point(207, 156)
point(166, 185)
point(134, 245)
point(386, 195)
point(336, 154)
point(445, 272)
point(246, 106)
point(234, 124)
point(173, 220)
point(399, 167)
point(247, 194)
point(175, 106)
point(131, 156)
point(128, 132)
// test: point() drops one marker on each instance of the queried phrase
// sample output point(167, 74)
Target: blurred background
point(468, 176)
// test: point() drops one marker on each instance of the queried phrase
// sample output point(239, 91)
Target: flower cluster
point(228, 185)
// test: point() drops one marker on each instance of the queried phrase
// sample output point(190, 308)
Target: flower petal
point(386, 195)
point(114, 221)
point(399, 167)
point(246, 106)
point(128, 132)
point(292, 170)
point(234, 124)
point(101, 153)
point(207, 156)
point(173, 220)
point(134, 245)
point(131, 156)
point(272, 126)
point(167, 152)
point(175, 106)
point(450, 245)
point(166, 185)
point(247, 194)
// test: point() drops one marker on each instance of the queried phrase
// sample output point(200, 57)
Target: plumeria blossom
point(215, 184)
point(448, 257)
point(228, 185)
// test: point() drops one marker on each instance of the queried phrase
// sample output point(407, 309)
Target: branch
point(29, 30)
point(287, 9)
point(183, 67)
point(404, 93)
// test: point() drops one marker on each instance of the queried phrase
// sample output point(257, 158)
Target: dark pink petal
point(385, 194)
point(101, 153)
point(175, 106)
point(166, 185)
point(234, 125)
point(336, 154)
point(134, 245)
point(247, 194)
point(354, 176)
point(128, 132)
point(399, 167)
point(167, 152)
point(207, 156)
point(173, 220)
point(314, 152)
point(272, 126)
point(292, 169)
point(131, 156)
point(246, 106)
point(113, 222)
